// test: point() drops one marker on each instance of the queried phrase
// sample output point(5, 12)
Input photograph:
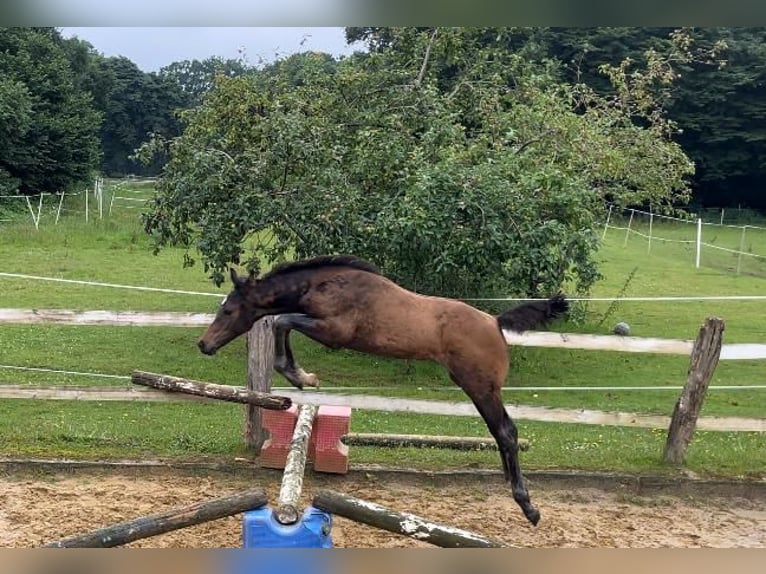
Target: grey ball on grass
point(622, 329)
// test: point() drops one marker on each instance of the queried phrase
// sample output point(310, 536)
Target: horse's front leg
point(284, 362)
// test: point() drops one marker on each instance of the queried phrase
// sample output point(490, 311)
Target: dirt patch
point(36, 509)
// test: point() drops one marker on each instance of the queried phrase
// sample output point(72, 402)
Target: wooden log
point(704, 358)
point(260, 365)
point(160, 523)
point(211, 390)
point(400, 522)
point(288, 511)
point(420, 441)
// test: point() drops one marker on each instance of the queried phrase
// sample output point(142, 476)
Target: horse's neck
point(281, 294)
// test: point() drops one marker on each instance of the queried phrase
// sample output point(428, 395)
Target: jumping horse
point(344, 302)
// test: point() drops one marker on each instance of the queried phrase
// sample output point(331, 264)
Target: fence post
point(741, 249)
point(58, 211)
point(260, 362)
point(606, 225)
point(699, 241)
point(627, 231)
point(651, 224)
point(704, 358)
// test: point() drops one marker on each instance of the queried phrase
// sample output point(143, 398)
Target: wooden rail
point(115, 318)
point(288, 509)
point(402, 523)
point(389, 404)
point(211, 390)
point(175, 519)
point(737, 351)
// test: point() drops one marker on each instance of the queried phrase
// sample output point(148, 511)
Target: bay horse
point(341, 301)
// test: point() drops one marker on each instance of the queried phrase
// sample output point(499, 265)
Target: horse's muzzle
point(204, 348)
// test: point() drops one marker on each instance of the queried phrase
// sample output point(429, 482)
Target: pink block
point(326, 450)
point(281, 425)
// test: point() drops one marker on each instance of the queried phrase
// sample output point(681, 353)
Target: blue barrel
point(260, 529)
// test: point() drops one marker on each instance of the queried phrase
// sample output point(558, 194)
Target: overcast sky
point(152, 48)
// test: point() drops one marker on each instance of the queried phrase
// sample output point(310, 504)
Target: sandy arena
point(41, 508)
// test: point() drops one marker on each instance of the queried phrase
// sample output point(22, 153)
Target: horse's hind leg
point(284, 362)
point(490, 407)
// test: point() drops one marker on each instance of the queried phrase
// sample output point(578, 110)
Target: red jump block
point(326, 450)
point(280, 425)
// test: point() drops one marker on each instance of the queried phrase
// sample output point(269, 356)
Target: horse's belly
point(397, 344)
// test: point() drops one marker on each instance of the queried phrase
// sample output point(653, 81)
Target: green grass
point(202, 431)
point(114, 250)
point(677, 240)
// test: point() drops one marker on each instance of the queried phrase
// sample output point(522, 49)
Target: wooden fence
point(260, 344)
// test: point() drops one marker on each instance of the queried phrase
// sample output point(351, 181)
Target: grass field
point(114, 250)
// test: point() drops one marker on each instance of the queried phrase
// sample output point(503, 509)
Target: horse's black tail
point(533, 314)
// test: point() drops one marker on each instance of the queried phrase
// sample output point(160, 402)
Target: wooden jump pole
point(173, 519)
point(400, 522)
point(211, 390)
point(420, 441)
point(702, 364)
point(288, 511)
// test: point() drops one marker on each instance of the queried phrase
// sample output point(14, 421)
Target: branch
point(211, 151)
point(286, 170)
point(422, 72)
point(529, 142)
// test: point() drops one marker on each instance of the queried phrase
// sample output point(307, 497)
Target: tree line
point(67, 111)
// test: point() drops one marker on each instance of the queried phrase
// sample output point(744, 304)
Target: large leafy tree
point(197, 77)
point(48, 125)
point(136, 105)
point(461, 167)
point(132, 102)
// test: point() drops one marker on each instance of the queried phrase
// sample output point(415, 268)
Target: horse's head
point(235, 316)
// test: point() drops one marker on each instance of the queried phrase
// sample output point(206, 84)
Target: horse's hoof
point(533, 515)
point(308, 379)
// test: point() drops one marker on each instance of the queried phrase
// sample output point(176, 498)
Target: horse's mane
point(322, 261)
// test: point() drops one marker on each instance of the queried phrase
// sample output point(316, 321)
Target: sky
point(155, 47)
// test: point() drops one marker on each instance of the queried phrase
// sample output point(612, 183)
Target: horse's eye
point(227, 311)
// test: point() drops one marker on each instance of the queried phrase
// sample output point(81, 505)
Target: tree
point(197, 77)
point(135, 104)
point(460, 167)
point(49, 126)
point(15, 123)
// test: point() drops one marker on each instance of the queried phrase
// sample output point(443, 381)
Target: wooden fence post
point(704, 358)
point(260, 362)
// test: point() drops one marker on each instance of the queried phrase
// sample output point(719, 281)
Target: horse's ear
point(234, 278)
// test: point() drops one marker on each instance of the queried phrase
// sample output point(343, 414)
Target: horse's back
point(390, 320)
